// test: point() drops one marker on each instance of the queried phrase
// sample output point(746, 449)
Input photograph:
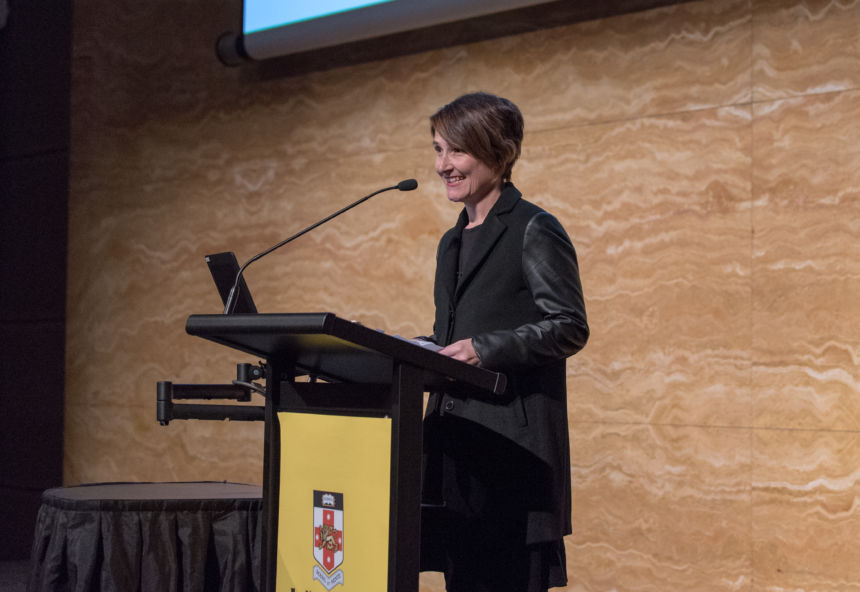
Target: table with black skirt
point(163, 537)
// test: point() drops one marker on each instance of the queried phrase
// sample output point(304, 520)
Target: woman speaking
point(508, 298)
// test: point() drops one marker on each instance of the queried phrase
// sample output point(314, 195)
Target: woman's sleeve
point(552, 275)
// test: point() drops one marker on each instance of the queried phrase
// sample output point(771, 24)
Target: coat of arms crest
point(328, 538)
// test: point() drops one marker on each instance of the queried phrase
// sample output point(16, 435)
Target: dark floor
point(13, 576)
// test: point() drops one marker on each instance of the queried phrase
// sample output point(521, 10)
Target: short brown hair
point(485, 126)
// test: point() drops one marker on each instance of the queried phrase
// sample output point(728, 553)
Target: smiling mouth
point(453, 180)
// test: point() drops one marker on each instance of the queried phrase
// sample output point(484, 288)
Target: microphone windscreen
point(407, 185)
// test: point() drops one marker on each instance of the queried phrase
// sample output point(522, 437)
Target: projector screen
point(274, 28)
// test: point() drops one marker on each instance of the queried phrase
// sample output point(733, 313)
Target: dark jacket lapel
point(492, 230)
point(447, 260)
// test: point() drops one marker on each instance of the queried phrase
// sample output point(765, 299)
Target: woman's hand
point(462, 350)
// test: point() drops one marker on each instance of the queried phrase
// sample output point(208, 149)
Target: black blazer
point(520, 300)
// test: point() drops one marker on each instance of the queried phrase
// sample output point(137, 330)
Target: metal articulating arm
point(239, 390)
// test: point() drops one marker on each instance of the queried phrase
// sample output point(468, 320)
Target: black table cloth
point(148, 537)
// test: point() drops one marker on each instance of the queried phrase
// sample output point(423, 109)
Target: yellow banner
point(333, 504)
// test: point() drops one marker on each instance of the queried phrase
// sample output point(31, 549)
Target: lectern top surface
point(334, 348)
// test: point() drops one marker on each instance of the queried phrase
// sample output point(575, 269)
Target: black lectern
point(342, 458)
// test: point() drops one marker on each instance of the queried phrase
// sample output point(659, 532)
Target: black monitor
point(224, 269)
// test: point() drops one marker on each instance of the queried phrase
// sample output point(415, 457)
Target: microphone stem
point(231, 299)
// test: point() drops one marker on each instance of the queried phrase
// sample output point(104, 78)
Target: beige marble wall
point(704, 158)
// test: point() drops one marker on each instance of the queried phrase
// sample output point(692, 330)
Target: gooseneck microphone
point(230, 305)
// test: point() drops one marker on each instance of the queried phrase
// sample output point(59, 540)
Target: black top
point(468, 240)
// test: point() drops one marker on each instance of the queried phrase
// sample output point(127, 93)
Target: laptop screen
point(224, 267)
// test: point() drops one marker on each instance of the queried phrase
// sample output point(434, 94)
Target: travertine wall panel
point(805, 47)
point(806, 261)
point(702, 156)
point(680, 58)
point(805, 514)
point(659, 211)
point(660, 508)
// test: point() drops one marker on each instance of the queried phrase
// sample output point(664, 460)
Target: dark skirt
point(475, 528)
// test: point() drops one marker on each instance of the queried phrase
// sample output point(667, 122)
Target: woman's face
point(467, 180)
